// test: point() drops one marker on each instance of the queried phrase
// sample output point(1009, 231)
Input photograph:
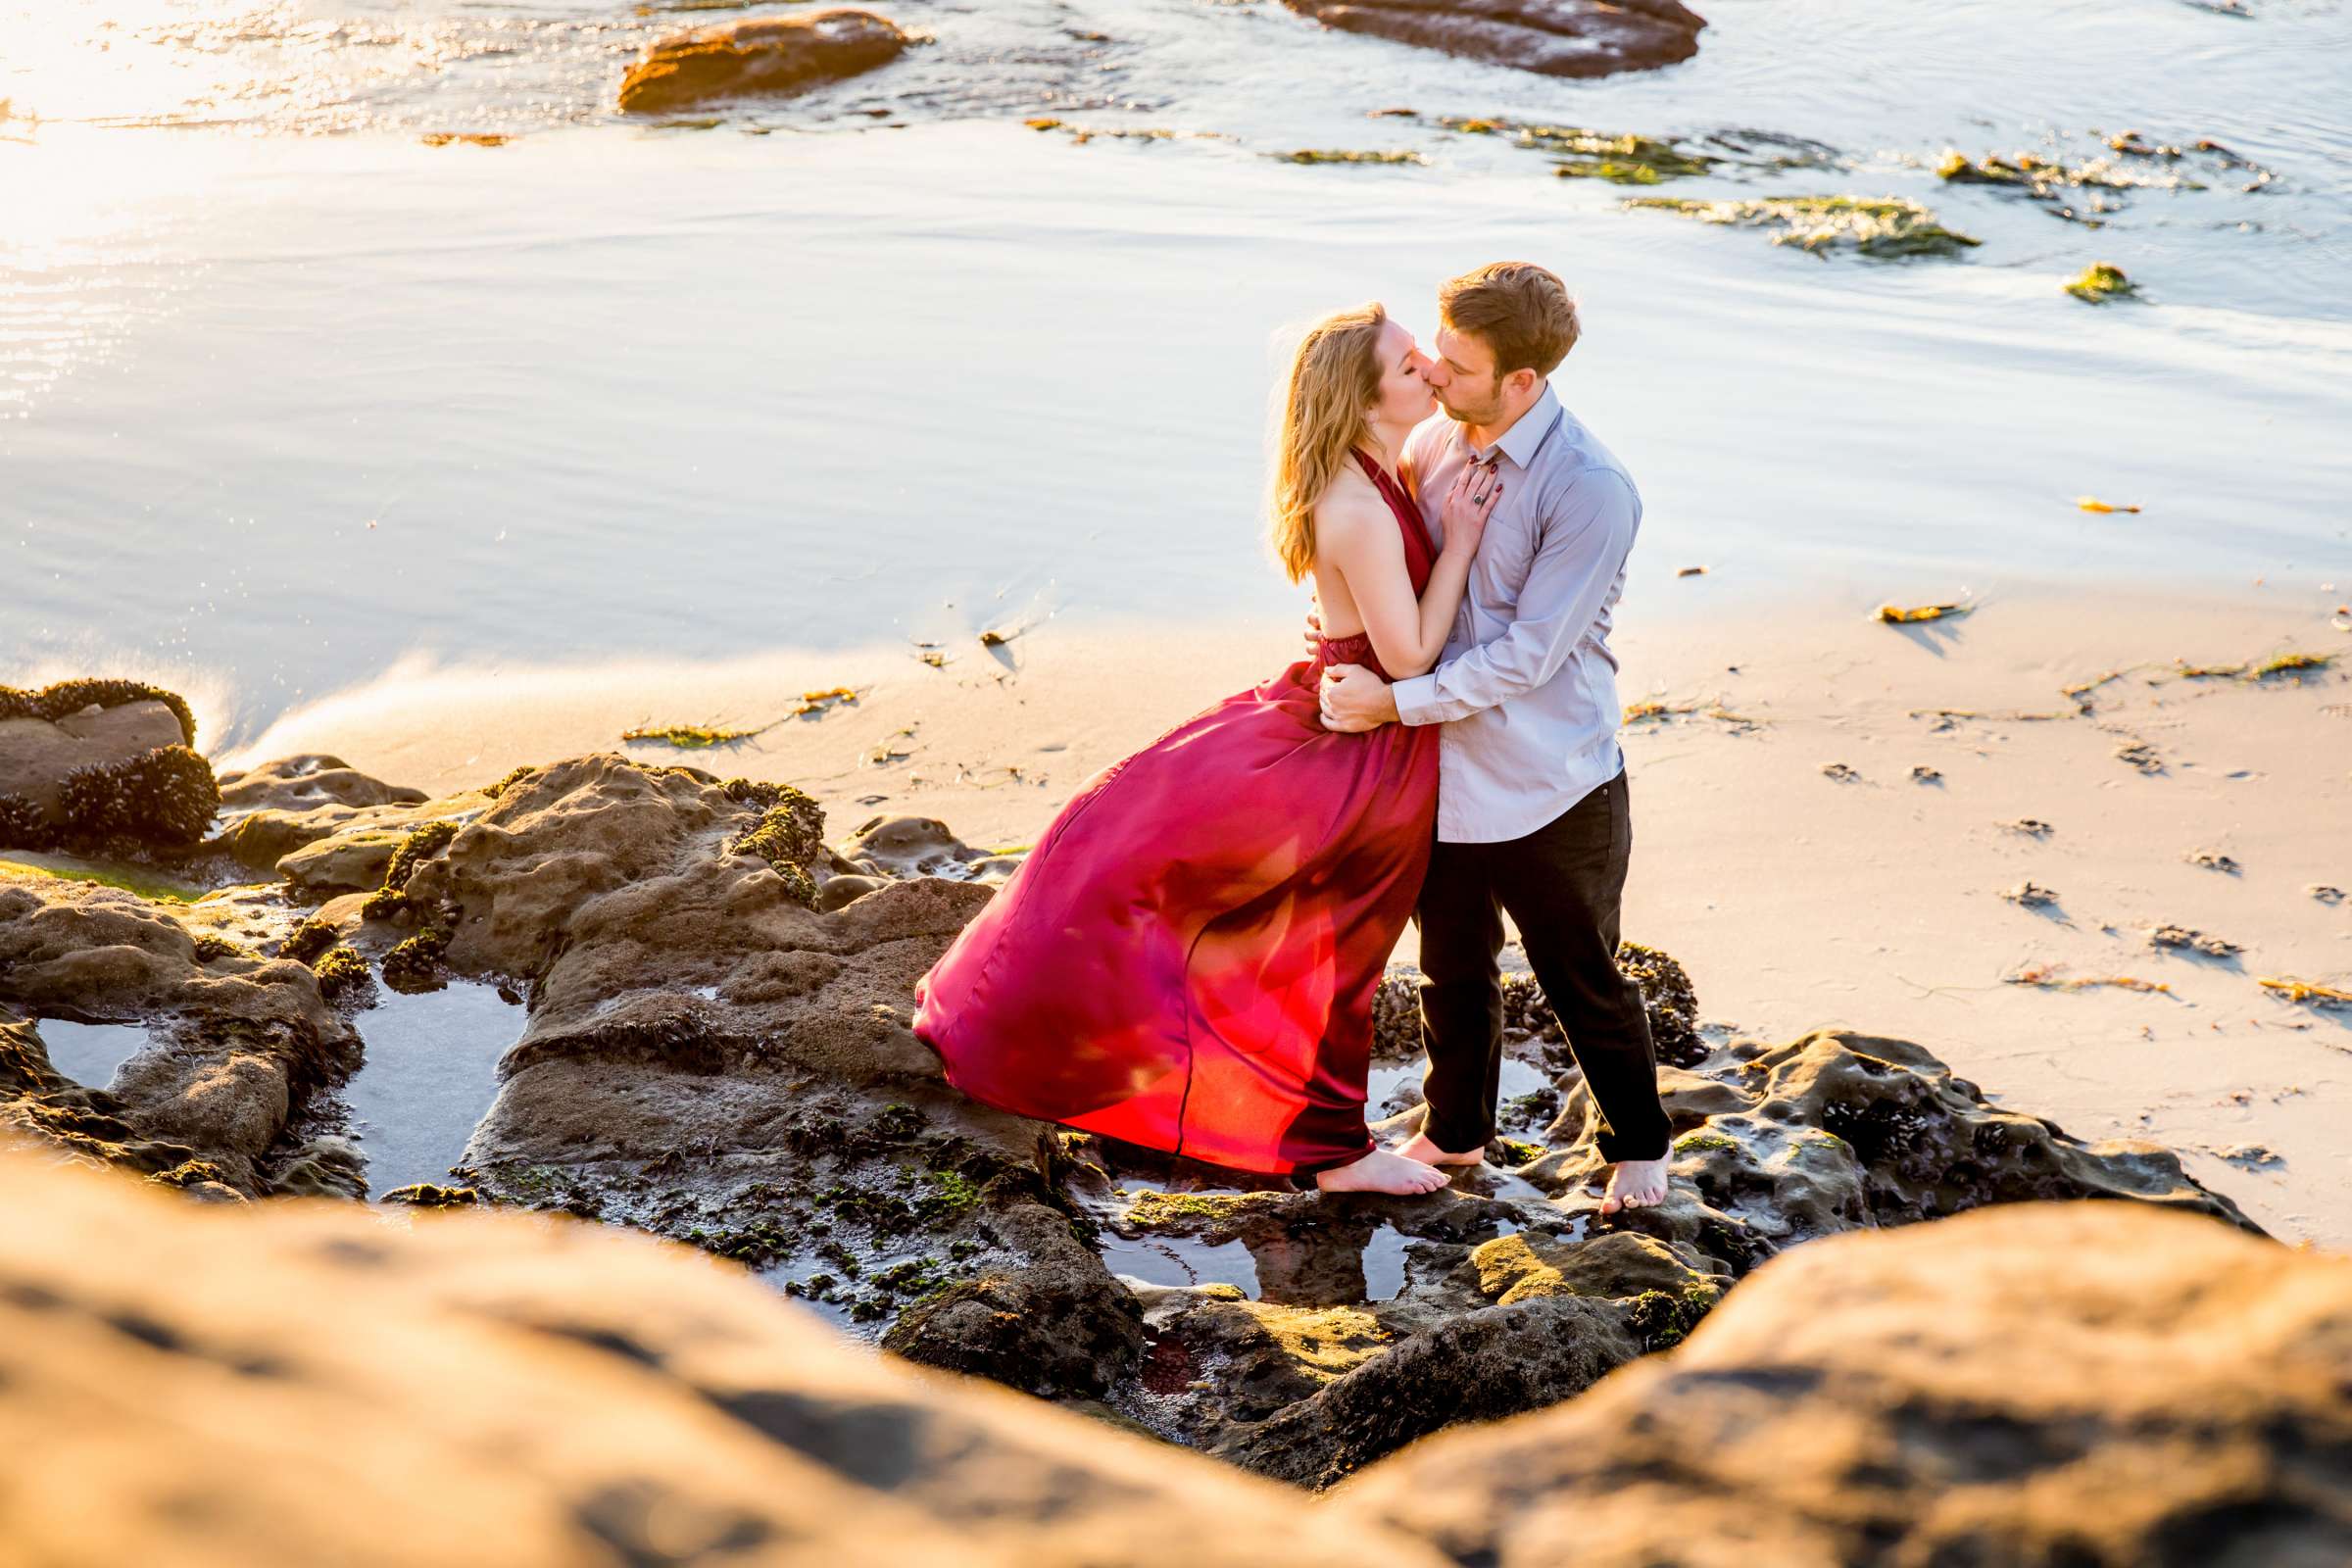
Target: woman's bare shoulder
point(1350, 505)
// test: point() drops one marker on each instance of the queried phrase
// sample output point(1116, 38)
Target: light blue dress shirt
point(1527, 687)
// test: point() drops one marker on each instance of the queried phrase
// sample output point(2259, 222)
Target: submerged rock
point(764, 55)
point(2094, 1383)
point(1882, 228)
point(1552, 37)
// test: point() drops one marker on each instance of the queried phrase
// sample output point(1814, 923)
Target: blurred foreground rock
point(2090, 1384)
point(2093, 1385)
point(317, 1383)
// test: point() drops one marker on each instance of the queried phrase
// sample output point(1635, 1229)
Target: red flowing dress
point(1187, 959)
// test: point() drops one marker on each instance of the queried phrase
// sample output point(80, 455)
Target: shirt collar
point(1527, 432)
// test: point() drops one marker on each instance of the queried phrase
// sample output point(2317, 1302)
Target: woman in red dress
point(1187, 959)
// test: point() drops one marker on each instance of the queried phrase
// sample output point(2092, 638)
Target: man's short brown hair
point(1517, 308)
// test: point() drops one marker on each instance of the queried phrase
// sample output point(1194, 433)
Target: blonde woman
point(1187, 961)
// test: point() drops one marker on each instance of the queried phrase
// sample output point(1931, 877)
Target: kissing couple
point(1187, 961)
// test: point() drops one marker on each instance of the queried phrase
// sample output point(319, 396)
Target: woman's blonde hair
point(1335, 379)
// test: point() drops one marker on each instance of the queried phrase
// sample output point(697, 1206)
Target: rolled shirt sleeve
point(1585, 541)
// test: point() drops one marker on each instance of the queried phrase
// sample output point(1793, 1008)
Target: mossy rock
point(2100, 283)
point(342, 974)
point(165, 798)
point(420, 846)
point(414, 965)
point(307, 941)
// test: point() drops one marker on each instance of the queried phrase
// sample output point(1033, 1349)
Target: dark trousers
point(1563, 885)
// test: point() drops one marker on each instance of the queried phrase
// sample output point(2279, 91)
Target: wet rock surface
point(711, 1052)
point(1551, 37)
point(766, 55)
point(239, 1043)
point(2088, 1383)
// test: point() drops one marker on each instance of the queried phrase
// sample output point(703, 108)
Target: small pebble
point(2249, 1156)
point(2326, 894)
point(1922, 773)
point(1841, 773)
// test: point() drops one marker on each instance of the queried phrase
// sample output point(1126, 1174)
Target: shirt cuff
point(1416, 699)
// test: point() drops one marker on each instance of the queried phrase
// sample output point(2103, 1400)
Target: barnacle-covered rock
point(98, 759)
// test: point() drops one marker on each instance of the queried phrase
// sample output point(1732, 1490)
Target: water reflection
point(430, 1072)
point(90, 1054)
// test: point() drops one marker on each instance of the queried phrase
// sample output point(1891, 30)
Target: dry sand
point(1797, 899)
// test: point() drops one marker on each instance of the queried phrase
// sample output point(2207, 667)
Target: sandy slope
point(1796, 899)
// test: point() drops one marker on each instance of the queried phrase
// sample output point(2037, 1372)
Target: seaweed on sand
point(1898, 615)
point(2306, 991)
point(690, 737)
point(2050, 977)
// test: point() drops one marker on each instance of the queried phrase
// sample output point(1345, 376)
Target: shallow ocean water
point(290, 399)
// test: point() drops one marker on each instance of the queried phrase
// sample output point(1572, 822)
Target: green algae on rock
point(342, 974)
point(1620, 158)
point(1340, 155)
point(1881, 228)
point(2100, 283)
point(789, 835)
point(415, 965)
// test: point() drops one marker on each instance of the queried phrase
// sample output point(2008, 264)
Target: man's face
point(1464, 379)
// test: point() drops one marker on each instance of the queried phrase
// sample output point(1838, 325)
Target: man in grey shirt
point(1531, 807)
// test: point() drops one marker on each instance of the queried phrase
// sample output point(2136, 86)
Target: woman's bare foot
point(1634, 1184)
point(1418, 1147)
point(1382, 1172)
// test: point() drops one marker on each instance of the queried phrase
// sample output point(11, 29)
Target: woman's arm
point(1359, 540)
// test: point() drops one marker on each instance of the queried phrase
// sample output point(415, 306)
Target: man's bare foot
point(1634, 1184)
point(1418, 1147)
point(1382, 1172)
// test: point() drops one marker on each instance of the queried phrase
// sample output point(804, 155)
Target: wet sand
point(1797, 899)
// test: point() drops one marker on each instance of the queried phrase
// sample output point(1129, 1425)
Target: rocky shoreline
point(714, 1046)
